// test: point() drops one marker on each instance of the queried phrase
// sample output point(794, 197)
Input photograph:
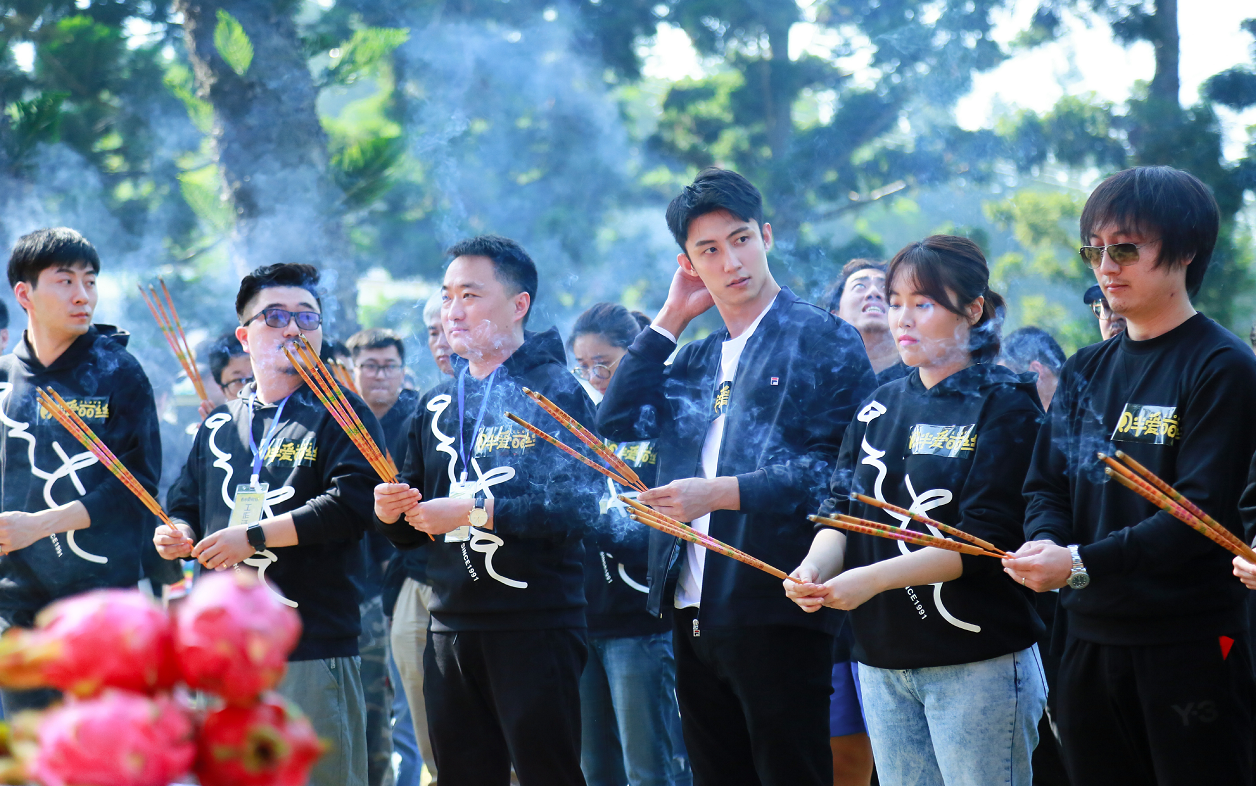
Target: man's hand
point(1246, 572)
point(1040, 565)
point(204, 409)
point(809, 595)
point(687, 298)
point(224, 549)
point(438, 516)
point(174, 546)
point(692, 498)
point(19, 530)
point(394, 500)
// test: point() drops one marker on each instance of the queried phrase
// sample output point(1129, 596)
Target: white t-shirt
point(689, 590)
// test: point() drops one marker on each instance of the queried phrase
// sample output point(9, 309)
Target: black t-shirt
point(1181, 405)
point(957, 452)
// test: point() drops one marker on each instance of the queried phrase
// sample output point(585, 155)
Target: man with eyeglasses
point(1110, 322)
point(273, 482)
point(377, 357)
point(1155, 682)
point(230, 366)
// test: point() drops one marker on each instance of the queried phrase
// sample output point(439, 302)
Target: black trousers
point(1166, 714)
point(754, 703)
point(496, 698)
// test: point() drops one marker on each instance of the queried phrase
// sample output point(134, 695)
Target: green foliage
point(233, 43)
point(179, 81)
point(31, 123)
point(364, 53)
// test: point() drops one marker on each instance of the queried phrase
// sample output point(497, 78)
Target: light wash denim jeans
point(975, 724)
point(630, 726)
point(405, 745)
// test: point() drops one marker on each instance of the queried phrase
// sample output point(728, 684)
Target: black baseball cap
point(1093, 295)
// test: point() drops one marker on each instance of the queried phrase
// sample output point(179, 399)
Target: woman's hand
point(850, 589)
point(809, 595)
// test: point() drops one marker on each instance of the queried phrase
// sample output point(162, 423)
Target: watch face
point(477, 517)
point(1078, 580)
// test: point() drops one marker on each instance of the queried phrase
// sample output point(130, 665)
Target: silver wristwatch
point(1078, 578)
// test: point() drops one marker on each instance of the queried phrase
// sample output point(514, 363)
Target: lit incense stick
point(928, 522)
point(893, 533)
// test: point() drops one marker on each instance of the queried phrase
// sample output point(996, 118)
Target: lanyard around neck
point(475, 432)
point(267, 438)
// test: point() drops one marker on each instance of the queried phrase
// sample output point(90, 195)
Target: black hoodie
point(527, 572)
point(44, 466)
point(1181, 405)
point(316, 474)
point(958, 453)
point(800, 378)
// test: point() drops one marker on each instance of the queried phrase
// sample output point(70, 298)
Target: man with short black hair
point(229, 364)
point(748, 422)
point(68, 524)
point(437, 344)
point(1034, 349)
point(4, 327)
point(1155, 681)
point(858, 297)
point(507, 641)
point(275, 483)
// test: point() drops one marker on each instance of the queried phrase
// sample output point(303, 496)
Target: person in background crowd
point(280, 446)
point(377, 357)
point(68, 525)
point(628, 715)
point(437, 343)
point(1034, 349)
point(1155, 682)
point(230, 365)
point(506, 514)
point(1110, 322)
point(951, 679)
point(858, 296)
point(4, 327)
point(747, 422)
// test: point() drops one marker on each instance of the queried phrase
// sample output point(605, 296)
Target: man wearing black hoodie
point(1155, 682)
point(507, 513)
point(275, 483)
point(749, 421)
point(67, 524)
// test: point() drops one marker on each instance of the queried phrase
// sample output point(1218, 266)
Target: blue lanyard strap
point(475, 433)
point(259, 453)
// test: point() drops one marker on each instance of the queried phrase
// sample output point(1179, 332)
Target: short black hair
point(618, 326)
point(221, 350)
point(512, 265)
point(834, 296)
point(712, 190)
point(283, 274)
point(37, 251)
point(4, 316)
point(1162, 202)
point(332, 350)
point(1025, 345)
point(375, 338)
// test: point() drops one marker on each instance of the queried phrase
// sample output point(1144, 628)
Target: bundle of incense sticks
point(589, 438)
point(880, 530)
point(68, 418)
point(344, 377)
point(307, 363)
point(1146, 484)
point(572, 452)
point(172, 329)
point(928, 522)
point(664, 523)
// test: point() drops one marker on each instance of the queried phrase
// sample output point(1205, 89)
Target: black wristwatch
point(257, 537)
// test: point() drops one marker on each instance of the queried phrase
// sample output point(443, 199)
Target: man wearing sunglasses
point(273, 482)
point(1110, 322)
point(1155, 682)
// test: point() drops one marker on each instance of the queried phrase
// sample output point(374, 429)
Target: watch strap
point(256, 536)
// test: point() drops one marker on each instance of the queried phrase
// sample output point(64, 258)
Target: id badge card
point(460, 490)
point(250, 501)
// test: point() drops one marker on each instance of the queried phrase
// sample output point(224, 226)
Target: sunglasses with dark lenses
point(1120, 253)
point(1102, 309)
point(279, 318)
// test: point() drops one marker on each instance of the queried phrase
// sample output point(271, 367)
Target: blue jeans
point(404, 744)
point(975, 724)
point(628, 716)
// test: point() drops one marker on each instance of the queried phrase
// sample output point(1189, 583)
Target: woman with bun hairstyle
point(630, 724)
point(952, 682)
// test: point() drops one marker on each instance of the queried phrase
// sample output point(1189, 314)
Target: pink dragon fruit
point(116, 739)
point(106, 639)
point(232, 637)
point(268, 744)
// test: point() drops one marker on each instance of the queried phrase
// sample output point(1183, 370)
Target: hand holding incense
point(68, 418)
point(928, 522)
point(877, 529)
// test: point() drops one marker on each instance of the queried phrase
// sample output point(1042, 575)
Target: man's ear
point(242, 333)
point(22, 291)
point(686, 264)
point(523, 304)
point(766, 231)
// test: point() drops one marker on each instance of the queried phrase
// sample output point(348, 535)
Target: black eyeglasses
point(279, 318)
point(1121, 253)
point(371, 368)
point(234, 387)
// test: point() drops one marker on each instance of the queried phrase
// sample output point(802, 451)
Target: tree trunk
point(1166, 84)
point(270, 147)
